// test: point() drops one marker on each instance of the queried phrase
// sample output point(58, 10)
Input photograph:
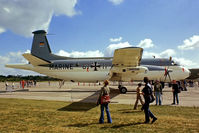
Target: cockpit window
point(175, 63)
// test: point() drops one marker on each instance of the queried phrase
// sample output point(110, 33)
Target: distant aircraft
point(126, 65)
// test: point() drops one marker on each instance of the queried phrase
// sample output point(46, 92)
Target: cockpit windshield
point(175, 63)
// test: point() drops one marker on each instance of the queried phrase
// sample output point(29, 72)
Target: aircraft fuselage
point(92, 70)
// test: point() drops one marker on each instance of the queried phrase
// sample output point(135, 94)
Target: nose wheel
point(122, 89)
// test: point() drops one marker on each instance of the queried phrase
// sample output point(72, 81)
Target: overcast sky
point(87, 28)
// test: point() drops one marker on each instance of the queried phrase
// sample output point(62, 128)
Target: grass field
point(18, 115)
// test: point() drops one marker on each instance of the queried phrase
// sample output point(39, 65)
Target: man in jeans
point(158, 92)
point(175, 89)
point(147, 91)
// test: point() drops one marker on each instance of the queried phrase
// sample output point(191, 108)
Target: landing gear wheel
point(123, 90)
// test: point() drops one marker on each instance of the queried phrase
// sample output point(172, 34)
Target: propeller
point(167, 71)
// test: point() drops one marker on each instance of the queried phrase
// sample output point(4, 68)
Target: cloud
point(108, 51)
point(146, 43)
point(164, 54)
point(14, 57)
point(2, 30)
point(147, 54)
point(171, 53)
point(96, 53)
point(4, 60)
point(190, 44)
point(115, 39)
point(111, 48)
point(24, 16)
point(186, 62)
point(168, 53)
point(116, 2)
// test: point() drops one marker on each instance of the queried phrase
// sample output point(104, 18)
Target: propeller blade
point(167, 74)
point(165, 78)
point(169, 77)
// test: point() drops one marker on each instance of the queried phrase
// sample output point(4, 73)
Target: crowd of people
point(27, 83)
point(22, 84)
point(149, 94)
point(104, 100)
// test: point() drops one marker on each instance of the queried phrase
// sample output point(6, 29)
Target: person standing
point(147, 92)
point(23, 84)
point(138, 97)
point(158, 92)
point(104, 92)
point(6, 84)
point(13, 85)
point(175, 90)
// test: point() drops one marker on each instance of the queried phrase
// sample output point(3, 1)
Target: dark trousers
point(147, 112)
point(101, 120)
point(175, 98)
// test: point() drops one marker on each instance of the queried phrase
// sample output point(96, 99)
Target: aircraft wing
point(127, 57)
point(126, 64)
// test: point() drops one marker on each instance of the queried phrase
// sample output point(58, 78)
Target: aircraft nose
point(187, 71)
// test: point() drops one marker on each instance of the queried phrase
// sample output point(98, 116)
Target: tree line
point(29, 77)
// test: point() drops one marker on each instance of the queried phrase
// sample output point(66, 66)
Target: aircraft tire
point(123, 90)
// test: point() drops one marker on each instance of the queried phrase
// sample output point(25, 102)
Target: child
point(138, 96)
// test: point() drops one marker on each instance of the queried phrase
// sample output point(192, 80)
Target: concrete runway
point(89, 93)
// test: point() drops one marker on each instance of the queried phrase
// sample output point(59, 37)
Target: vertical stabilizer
point(40, 46)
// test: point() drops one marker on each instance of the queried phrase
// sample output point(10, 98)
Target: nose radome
point(187, 71)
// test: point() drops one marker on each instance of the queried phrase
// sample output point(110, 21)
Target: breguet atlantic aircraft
point(126, 65)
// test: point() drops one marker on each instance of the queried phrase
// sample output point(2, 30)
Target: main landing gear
point(122, 89)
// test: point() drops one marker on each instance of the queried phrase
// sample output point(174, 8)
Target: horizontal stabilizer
point(34, 60)
point(20, 66)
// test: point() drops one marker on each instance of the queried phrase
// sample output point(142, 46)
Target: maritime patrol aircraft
point(126, 65)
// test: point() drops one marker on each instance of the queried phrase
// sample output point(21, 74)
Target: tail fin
point(41, 48)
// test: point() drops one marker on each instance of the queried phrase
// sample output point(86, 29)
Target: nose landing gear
point(122, 89)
